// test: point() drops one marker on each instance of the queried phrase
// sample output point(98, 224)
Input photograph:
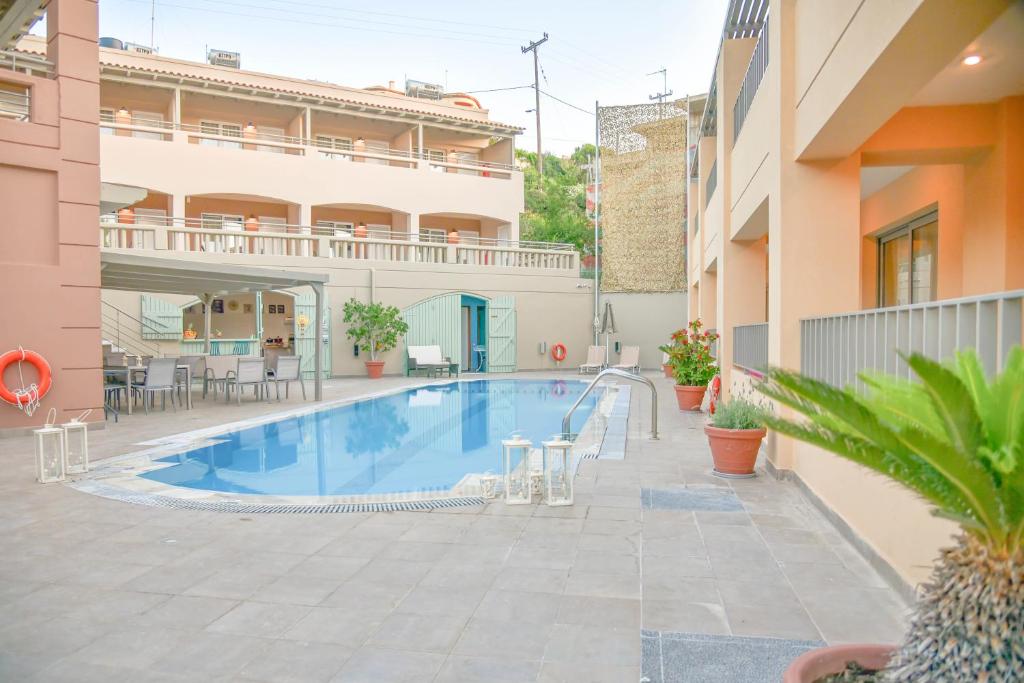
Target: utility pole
point(152, 24)
point(532, 47)
point(597, 218)
point(665, 92)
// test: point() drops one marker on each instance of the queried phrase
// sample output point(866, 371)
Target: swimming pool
point(419, 440)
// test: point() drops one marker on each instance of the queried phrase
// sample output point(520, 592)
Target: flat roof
point(139, 273)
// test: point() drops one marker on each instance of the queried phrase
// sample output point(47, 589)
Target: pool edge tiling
point(118, 478)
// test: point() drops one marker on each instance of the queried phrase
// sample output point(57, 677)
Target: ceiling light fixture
point(971, 60)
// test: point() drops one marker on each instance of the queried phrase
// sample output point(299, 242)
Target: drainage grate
point(711, 498)
point(280, 508)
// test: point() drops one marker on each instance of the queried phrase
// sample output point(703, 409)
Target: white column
point(318, 337)
point(419, 145)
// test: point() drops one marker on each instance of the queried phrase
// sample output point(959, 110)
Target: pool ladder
point(615, 372)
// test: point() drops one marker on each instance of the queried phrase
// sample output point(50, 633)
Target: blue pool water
point(418, 440)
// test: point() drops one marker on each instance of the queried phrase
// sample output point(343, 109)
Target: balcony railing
point(197, 235)
point(709, 188)
point(751, 81)
point(286, 144)
point(750, 346)
point(15, 102)
point(26, 63)
point(836, 348)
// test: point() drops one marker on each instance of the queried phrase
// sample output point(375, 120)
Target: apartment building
point(856, 195)
point(406, 196)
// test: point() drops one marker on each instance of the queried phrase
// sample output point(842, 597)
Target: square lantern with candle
point(49, 453)
point(76, 446)
point(558, 471)
point(516, 466)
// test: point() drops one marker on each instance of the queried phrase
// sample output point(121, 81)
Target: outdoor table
point(128, 371)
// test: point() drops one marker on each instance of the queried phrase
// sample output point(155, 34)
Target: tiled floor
point(660, 570)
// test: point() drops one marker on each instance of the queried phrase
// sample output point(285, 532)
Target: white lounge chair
point(629, 359)
point(429, 359)
point(595, 360)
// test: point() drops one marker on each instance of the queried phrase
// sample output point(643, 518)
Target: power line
point(514, 87)
point(568, 104)
point(303, 22)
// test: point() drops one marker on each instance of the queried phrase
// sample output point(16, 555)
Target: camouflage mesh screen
point(643, 205)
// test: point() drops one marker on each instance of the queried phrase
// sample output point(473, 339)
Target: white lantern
point(49, 453)
point(76, 446)
point(488, 485)
point(515, 454)
point(558, 471)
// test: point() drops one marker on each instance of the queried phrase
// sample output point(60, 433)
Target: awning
point(138, 273)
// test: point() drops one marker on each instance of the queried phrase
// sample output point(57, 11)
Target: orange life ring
point(42, 367)
point(558, 352)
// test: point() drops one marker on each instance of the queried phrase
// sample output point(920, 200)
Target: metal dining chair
point(160, 378)
point(287, 370)
point(250, 372)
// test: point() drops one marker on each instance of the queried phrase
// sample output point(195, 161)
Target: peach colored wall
point(49, 191)
point(921, 190)
point(195, 207)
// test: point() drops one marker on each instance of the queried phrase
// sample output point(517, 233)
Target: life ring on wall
point(558, 352)
point(32, 393)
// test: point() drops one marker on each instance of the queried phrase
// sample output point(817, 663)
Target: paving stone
point(260, 619)
point(459, 669)
point(376, 665)
point(418, 632)
point(333, 625)
point(502, 639)
point(287, 661)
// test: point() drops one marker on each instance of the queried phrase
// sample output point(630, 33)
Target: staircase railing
point(125, 331)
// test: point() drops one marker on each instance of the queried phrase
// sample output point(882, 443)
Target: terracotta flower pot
point(374, 369)
point(667, 369)
point(734, 450)
point(189, 334)
point(689, 398)
point(815, 664)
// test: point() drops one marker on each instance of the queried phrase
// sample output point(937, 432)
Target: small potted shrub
point(375, 327)
point(190, 332)
point(666, 366)
point(734, 434)
point(692, 364)
point(957, 440)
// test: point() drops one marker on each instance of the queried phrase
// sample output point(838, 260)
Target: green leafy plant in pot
point(375, 327)
point(734, 434)
point(957, 440)
point(692, 363)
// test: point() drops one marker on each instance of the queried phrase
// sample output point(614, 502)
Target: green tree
point(556, 202)
point(375, 326)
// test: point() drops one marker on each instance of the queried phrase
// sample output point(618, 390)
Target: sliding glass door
point(908, 272)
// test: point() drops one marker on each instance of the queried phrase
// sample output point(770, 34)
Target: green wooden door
point(435, 322)
point(306, 338)
point(160, 319)
point(501, 335)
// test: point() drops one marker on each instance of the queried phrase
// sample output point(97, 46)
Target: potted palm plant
point(734, 434)
point(375, 327)
point(692, 364)
point(957, 440)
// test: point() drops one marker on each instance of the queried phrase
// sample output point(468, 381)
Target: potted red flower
point(692, 363)
point(734, 434)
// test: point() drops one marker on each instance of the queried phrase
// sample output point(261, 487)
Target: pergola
point(137, 273)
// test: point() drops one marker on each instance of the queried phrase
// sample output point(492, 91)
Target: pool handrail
point(607, 372)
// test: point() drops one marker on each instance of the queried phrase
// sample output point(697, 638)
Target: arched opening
point(380, 222)
point(477, 332)
point(471, 228)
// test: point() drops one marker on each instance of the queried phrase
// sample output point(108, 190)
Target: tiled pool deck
point(660, 572)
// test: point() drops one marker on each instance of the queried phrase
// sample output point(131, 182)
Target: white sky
point(596, 51)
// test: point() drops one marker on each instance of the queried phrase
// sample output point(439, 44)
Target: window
point(223, 221)
point(433, 235)
point(339, 227)
point(468, 158)
point(334, 144)
point(907, 262)
point(217, 128)
point(106, 116)
point(432, 156)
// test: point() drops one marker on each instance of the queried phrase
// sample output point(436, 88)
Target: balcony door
point(908, 260)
